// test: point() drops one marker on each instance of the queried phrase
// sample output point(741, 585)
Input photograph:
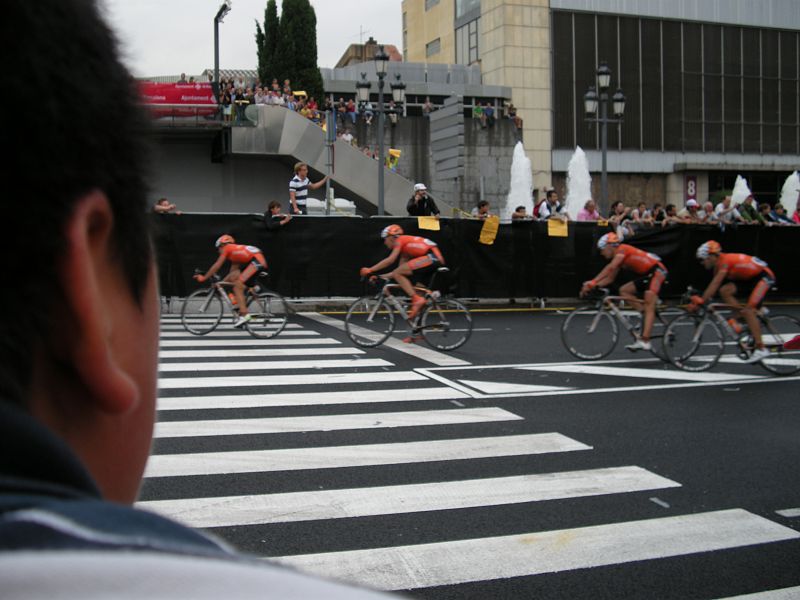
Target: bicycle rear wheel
point(269, 314)
point(446, 324)
point(201, 311)
point(369, 321)
point(657, 337)
point(589, 333)
point(776, 331)
point(693, 343)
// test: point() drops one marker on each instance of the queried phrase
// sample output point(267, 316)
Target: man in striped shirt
point(298, 189)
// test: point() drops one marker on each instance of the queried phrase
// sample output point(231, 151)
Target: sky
point(170, 37)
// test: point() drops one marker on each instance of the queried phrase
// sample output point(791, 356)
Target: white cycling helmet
point(707, 248)
point(609, 238)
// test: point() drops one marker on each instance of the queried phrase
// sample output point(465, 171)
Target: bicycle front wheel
point(269, 313)
point(446, 324)
point(693, 343)
point(776, 331)
point(589, 334)
point(201, 311)
point(369, 321)
point(657, 336)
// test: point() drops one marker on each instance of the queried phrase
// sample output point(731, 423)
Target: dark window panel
point(585, 75)
point(563, 109)
point(713, 137)
point(651, 84)
point(712, 94)
point(692, 51)
point(770, 98)
point(752, 139)
point(751, 45)
point(733, 99)
point(712, 49)
point(607, 52)
point(733, 137)
point(789, 140)
point(693, 96)
point(788, 55)
point(673, 87)
point(732, 50)
point(694, 136)
point(769, 53)
point(771, 138)
point(629, 79)
point(752, 101)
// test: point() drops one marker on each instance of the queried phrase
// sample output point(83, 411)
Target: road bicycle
point(444, 323)
point(204, 309)
point(592, 331)
point(697, 340)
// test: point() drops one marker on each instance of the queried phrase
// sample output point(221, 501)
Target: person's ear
point(95, 294)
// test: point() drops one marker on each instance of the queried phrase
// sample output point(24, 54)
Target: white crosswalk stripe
point(213, 425)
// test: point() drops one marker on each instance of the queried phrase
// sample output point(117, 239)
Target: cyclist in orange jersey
point(651, 274)
point(416, 254)
point(730, 270)
point(238, 255)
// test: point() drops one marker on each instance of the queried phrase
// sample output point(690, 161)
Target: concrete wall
point(184, 173)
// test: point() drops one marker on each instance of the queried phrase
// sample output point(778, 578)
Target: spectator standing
point(658, 214)
point(477, 113)
point(796, 213)
point(779, 216)
point(641, 217)
point(164, 206)
point(488, 114)
point(727, 214)
point(421, 204)
point(551, 207)
point(274, 219)
point(671, 216)
point(226, 101)
point(347, 136)
point(427, 107)
point(482, 210)
point(691, 212)
point(750, 212)
point(520, 214)
point(298, 189)
point(183, 78)
point(706, 214)
point(589, 212)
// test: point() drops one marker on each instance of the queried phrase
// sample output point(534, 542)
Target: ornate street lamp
point(591, 101)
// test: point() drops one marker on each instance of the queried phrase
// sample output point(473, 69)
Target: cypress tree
point(267, 42)
point(296, 53)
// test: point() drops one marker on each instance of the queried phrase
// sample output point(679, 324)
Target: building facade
point(712, 87)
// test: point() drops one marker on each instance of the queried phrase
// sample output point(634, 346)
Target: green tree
point(266, 42)
point(296, 52)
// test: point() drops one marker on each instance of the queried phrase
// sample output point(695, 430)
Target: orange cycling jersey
point(412, 246)
point(638, 261)
point(741, 267)
point(241, 254)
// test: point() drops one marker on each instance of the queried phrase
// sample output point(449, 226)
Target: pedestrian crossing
point(257, 438)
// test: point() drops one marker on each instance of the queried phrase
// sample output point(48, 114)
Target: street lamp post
point(224, 9)
point(399, 97)
point(591, 100)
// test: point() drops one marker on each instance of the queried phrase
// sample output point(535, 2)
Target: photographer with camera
point(421, 205)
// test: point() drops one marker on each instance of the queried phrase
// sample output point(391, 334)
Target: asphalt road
point(506, 469)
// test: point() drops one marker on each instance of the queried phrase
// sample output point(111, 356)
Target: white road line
point(175, 367)
point(310, 398)
point(233, 333)
point(495, 387)
point(179, 327)
point(399, 499)
point(621, 371)
point(448, 563)
point(790, 513)
point(333, 457)
point(201, 341)
point(416, 350)
point(417, 418)
point(258, 353)
point(790, 593)
point(173, 383)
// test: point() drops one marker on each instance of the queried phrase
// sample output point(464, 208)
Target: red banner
point(155, 95)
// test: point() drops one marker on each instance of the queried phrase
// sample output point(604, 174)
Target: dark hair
point(520, 208)
point(550, 192)
point(91, 135)
point(273, 204)
point(483, 203)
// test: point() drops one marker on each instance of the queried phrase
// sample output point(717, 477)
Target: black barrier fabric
point(321, 256)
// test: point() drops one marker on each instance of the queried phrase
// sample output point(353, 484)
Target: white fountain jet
point(579, 183)
point(789, 192)
point(740, 191)
point(519, 193)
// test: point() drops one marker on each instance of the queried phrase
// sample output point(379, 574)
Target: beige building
point(711, 86)
point(511, 43)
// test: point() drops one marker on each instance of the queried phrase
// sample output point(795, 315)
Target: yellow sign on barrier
point(557, 228)
point(429, 223)
point(489, 230)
